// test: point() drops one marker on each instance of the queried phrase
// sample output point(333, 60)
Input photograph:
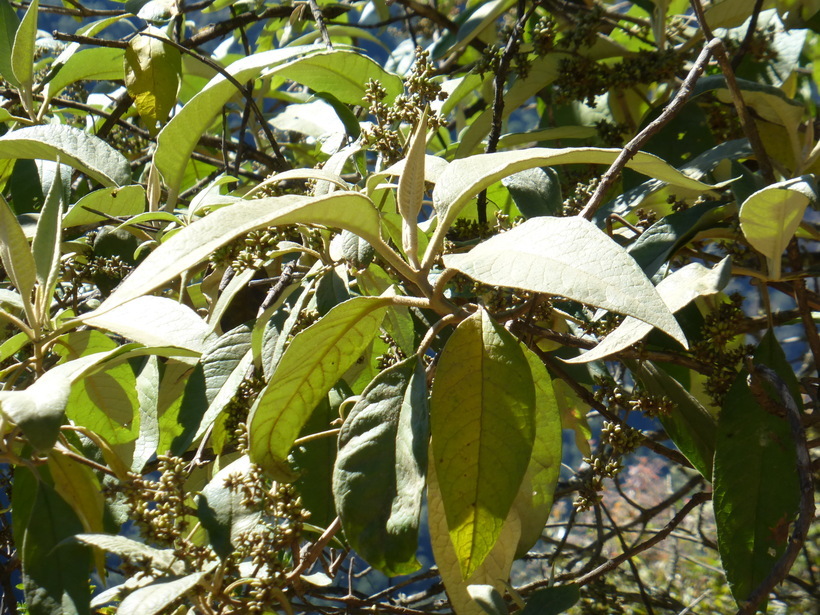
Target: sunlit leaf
point(483, 427)
point(116, 202)
point(677, 291)
point(197, 241)
point(311, 364)
point(97, 63)
point(38, 411)
point(154, 598)
point(133, 550)
point(152, 76)
point(488, 598)
point(770, 217)
point(16, 256)
point(378, 479)
point(22, 52)
point(8, 28)
point(71, 146)
point(572, 258)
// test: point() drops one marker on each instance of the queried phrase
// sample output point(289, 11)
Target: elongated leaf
point(494, 570)
point(378, 480)
point(225, 362)
point(483, 427)
point(312, 363)
point(147, 388)
point(55, 577)
point(8, 28)
point(690, 425)
point(22, 52)
point(573, 258)
point(177, 139)
point(126, 201)
point(77, 484)
point(16, 256)
point(770, 217)
point(152, 76)
point(466, 177)
point(154, 321)
point(411, 190)
point(133, 551)
point(97, 63)
point(220, 508)
point(45, 247)
point(342, 72)
point(71, 146)
point(156, 597)
point(534, 500)
point(38, 411)
point(199, 240)
point(677, 291)
point(757, 492)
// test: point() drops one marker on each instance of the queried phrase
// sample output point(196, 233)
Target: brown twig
point(696, 500)
point(743, 49)
point(315, 550)
point(746, 120)
point(319, 18)
point(805, 516)
point(634, 146)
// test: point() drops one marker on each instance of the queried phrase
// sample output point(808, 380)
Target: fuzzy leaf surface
point(573, 258)
point(379, 476)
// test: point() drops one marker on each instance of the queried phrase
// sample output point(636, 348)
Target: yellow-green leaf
point(16, 256)
point(483, 427)
point(411, 190)
point(770, 217)
point(22, 52)
point(312, 363)
point(152, 77)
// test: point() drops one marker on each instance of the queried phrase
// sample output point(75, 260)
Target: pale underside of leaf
point(677, 291)
point(195, 242)
point(572, 258)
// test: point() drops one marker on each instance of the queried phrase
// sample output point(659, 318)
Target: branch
point(746, 121)
point(314, 551)
point(787, 406)
point(634, 146)
point(696, 500)
point(750, 32)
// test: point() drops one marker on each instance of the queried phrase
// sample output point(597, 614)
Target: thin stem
point(634, 146)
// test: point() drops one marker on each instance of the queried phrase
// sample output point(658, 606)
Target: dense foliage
point(408, 307)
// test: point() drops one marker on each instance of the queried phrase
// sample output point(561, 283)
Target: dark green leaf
point(756, 484)
point(536, 192)
point(8, 27)
point(552, 600)
point(379, 476)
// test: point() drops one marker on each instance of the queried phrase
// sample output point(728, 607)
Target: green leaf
point(534, 500)
point(379, 476)
point(45, 247)
point(71, 146)
point(220, 508)
point(536, 192)
point(133, 551)
point(689, 424)
point(9, 22)
point(315, 459)
point(152, 76)
point(17, 258)
point(677, 291)
point(180, 135)
point(669, 234)
point(756, 486)
point(573, 258)
point(39, 410)
point(22, 52)
point(342, 72)
point(118, 202)
point(410, 193)
point(770, 217)
point(225, 362)
point(312, 363)
point(154, 598)
point(154, 321)
point(147, 387)
point(494, 570)
point(79, 487)
point(488, 598)
point(552, 600)
point(483, 427)
point(466, 177)
point(97, 64)
point(197, 241)
point(55, 577)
